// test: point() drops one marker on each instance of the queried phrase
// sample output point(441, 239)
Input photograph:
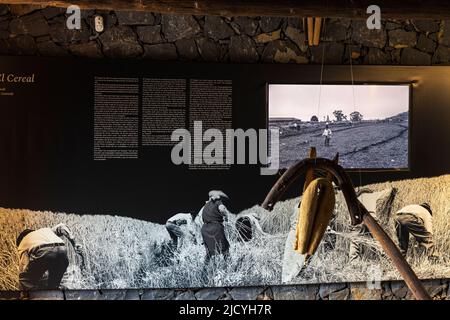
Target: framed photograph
point(367, 124)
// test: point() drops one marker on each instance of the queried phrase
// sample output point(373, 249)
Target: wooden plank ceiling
point(356, 9)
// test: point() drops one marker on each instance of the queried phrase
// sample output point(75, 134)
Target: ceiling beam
point(355, 9)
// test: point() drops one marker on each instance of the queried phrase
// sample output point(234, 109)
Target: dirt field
point(373, 145)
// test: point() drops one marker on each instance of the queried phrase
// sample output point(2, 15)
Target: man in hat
point(41, 251)
point(416, 220)
point(184, 227)
point(214, 213)
point(327, 134)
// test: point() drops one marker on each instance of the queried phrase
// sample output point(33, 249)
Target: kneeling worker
point(43, 250)
point(184, 227)
point(415, 220)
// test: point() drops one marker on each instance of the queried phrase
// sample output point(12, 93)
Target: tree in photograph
point(339, 115)
point(314, 119)
point(356, 116)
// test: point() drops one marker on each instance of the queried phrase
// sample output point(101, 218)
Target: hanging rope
point(354, 109)
point(321, 71)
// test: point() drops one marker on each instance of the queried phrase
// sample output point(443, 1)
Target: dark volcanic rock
point(359, 291)
point(50, 49)
point(4, 9)
point(402, 39)
point(46, 295)
point(444, 34)
point(217, 29)
point(306, 292)
point(158, 294)
point(242, 49)
point(334, 53)
point(209, 50)
point(187, 49)
point(149, 34)
point(426, 44)
point(210, 293)
point(415, 57)
point(354, 52)
point(396, 56)
point(392, 25)
point(283, 52)
point(120, 42)
point(269, 24)
point(442, 55)
point(295, 22)
point(83, 295)
point(61, 34)
point(21, 45)
point(88, 50)
point(185, 295)
point(179, 27)
point(4, 25)
point(368, 37)
point(34, 24)
point(399, 289)
point(335, 31)
point(326, 289)
point(4, 34)
point(247, 25)
point(135, 18)
point(51, 12)
point(163, 51)
point(246, 293)
point(23, 9)
point(426, 25)
point(297, 37)
point(377, 56)
point(340, 295)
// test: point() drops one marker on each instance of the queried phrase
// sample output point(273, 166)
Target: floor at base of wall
point(438, 289)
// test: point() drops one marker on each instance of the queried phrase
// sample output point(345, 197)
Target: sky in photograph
point(302, 101)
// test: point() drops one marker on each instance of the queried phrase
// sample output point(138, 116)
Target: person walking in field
point(41, 251)
point(327, 134)
point(214, 213)
point(184, 227)
point(415, 220)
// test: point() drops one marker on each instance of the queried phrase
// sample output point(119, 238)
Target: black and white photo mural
point(90, 197)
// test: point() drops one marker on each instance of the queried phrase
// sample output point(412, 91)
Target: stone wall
point(30, 30)
point(438, 289)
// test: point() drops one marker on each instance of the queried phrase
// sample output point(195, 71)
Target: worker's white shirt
point(185, 221)
point(421, 213)
point(37, 238)
point(179, 217)
point(327, 133)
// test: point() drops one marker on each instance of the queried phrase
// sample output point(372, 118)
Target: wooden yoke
point(358, 213)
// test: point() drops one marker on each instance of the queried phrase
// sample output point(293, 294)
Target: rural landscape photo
point(122, 252)
point(367, 124)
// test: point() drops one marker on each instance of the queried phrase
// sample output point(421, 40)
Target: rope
point(321, 75)
point(354, 108)
point(321, 70)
